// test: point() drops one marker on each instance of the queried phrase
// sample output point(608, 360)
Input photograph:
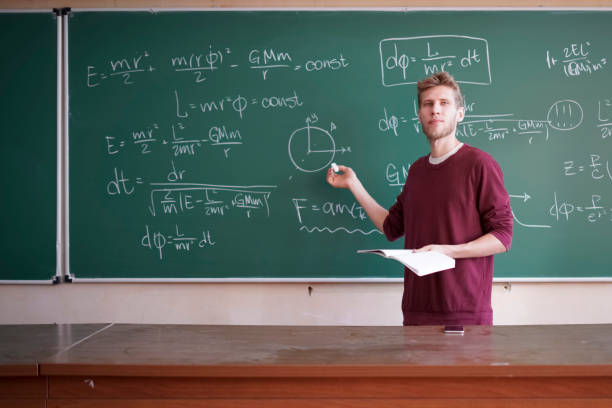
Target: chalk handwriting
point(125, 68)
point(394, 176)
point(312, 148)
point(390, 123)
point(177, 240)
point(200, 63)
point(237, 103)
point(270, 59)
point(330, 212)
point(604, 117)
point(178, 140)
point(523, 199)
point(120, 184)
point(575, 60)
point(208, 199)
point(405, 60)
point(593, 210)
point(563, 115)
point(595, 166)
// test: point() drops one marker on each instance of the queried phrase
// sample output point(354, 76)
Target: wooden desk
point(263, 366)
point(21, 348)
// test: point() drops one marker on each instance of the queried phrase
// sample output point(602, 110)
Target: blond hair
point(440, 79)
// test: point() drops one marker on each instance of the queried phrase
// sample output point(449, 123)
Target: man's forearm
point(375, 211)
point(486, 245)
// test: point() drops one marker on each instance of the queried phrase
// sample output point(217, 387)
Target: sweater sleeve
point(393, 227)
point(494, 203)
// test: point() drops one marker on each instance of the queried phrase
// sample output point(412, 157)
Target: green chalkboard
point(28, 105)
point(199, 140)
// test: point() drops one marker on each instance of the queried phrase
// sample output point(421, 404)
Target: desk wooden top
point(23, 346)
point(275, 351)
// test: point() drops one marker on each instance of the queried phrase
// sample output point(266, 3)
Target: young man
point(454, 202)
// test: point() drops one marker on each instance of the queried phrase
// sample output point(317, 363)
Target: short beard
point(447, 130)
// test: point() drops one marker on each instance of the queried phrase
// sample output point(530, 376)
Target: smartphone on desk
point(453, 329)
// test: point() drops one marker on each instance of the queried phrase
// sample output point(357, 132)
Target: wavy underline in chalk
point(333, 231)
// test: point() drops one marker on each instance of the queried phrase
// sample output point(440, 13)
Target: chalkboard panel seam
point(20, 11)
point(28, 282)
point(317, 280)
point(59, 246)
point(65, 153)
point(330, 9)
point(237, 280)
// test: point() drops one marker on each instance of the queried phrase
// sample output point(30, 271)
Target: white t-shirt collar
point(438, 160)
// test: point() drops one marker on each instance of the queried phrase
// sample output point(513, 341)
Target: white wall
point(283, 303)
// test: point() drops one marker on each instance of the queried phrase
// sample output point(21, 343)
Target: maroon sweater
point(453, 202)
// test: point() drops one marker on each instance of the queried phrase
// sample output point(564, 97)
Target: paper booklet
point(421, 263)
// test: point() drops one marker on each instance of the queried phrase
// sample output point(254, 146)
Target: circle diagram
point(311, 149)
point(565, 115)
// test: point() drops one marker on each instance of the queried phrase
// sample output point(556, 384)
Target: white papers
point(421, 263)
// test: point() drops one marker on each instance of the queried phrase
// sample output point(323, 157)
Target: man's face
point(439, 113)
